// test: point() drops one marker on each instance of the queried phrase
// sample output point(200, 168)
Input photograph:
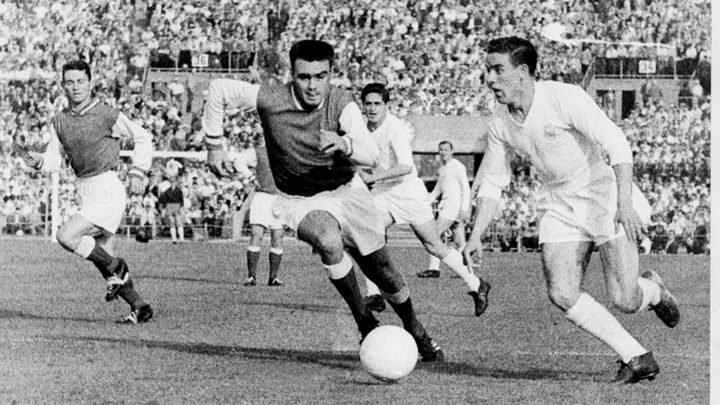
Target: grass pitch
point(216, 341)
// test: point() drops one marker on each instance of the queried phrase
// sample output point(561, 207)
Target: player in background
point(315, 137)
point(402, 197)
point(89, 133)
point(171, 202)
point(584, 203)
point(261, 199)
point(453, 191)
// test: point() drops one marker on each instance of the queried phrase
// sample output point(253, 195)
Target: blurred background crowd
point(429, 52)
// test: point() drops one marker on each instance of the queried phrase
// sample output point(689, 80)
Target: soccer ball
point(388, 353)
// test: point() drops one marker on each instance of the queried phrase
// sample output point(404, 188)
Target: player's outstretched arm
point(223, 93)
point(362, 149)
point(142, 153)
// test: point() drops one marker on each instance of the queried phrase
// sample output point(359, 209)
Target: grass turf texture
point(216, 341)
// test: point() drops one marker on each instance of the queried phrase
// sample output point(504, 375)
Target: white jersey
point(565, 135)
point(394, 138)
point(452, 185)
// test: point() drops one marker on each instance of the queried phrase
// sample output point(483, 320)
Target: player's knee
point(67, 239)
point(626, 301)
point(562, 298)
point(328, 243)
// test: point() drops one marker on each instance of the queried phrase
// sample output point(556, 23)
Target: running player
point(584, 203)
point(89, 132)
point(315, 137)
point(402, 196)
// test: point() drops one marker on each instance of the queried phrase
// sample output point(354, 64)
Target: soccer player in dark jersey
point(262, 217)
point(89, 132)
point(315, 135)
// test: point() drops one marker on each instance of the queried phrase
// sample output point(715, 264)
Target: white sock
point(173, 233)
point(595, 319)
point(434, 263)
point(372, 289)
point(181, 233)
point(454, 260)
point(650, 293)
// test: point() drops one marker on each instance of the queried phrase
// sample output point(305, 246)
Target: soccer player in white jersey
point(402, 196)
point(315, 137)
point(89, 133)
point(584, 203)
point(453, 191)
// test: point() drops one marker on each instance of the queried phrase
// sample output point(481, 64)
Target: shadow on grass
point(191, 279)
point(8, 314)
point(348, 360)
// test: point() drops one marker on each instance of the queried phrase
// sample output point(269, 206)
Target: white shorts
point(103, 200)
point(587, 214)
point(449, 208)
point(352, 206)
point(261, 212)
point(407, 202)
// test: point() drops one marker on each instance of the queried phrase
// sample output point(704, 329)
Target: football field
point(216, 341)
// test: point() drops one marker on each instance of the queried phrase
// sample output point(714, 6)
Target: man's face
point(77, 86)
point(502, 77)
point(311, 81)
point(445, 152)
point(375, 108)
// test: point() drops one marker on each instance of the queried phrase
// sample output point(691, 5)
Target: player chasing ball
point(584, 203)
point(315, 137)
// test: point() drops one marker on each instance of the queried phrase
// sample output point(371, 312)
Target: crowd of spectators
point(430, 52)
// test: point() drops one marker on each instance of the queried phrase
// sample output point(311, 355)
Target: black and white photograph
point(357, 202)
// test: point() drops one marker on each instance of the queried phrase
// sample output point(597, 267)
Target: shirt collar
point(84, 110)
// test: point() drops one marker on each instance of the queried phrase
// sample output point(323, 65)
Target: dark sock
point(252, 262)
point(275, 260)
point(103, 261)
point(349, 290)
point(406, 312)
point(379, 269)
point(128, 293)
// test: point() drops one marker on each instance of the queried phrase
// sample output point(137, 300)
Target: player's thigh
point(428, 235)
point(443, 224)
point(621, 268)
point(106, 241)
point(77, 226)
point(458, 229)
point(276, 237)
point(256, 234)
point(564, 265)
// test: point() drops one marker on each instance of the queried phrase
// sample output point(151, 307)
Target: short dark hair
point(77, 65)
point(377, 88)
point(311, 50)
point(446, 143)
point(521, 51)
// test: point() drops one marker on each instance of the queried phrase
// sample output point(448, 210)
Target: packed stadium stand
point(646, 62)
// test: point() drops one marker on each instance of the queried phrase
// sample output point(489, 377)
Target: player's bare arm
point(626, 214)
point(485, 212)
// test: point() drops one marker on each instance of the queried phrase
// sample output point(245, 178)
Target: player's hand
point(463, 216)
point(630, 220)
point(32, 159)
point(137, 185)
point(331, 142)
point(472, 253)
point(218, 162)
point(366, 176)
